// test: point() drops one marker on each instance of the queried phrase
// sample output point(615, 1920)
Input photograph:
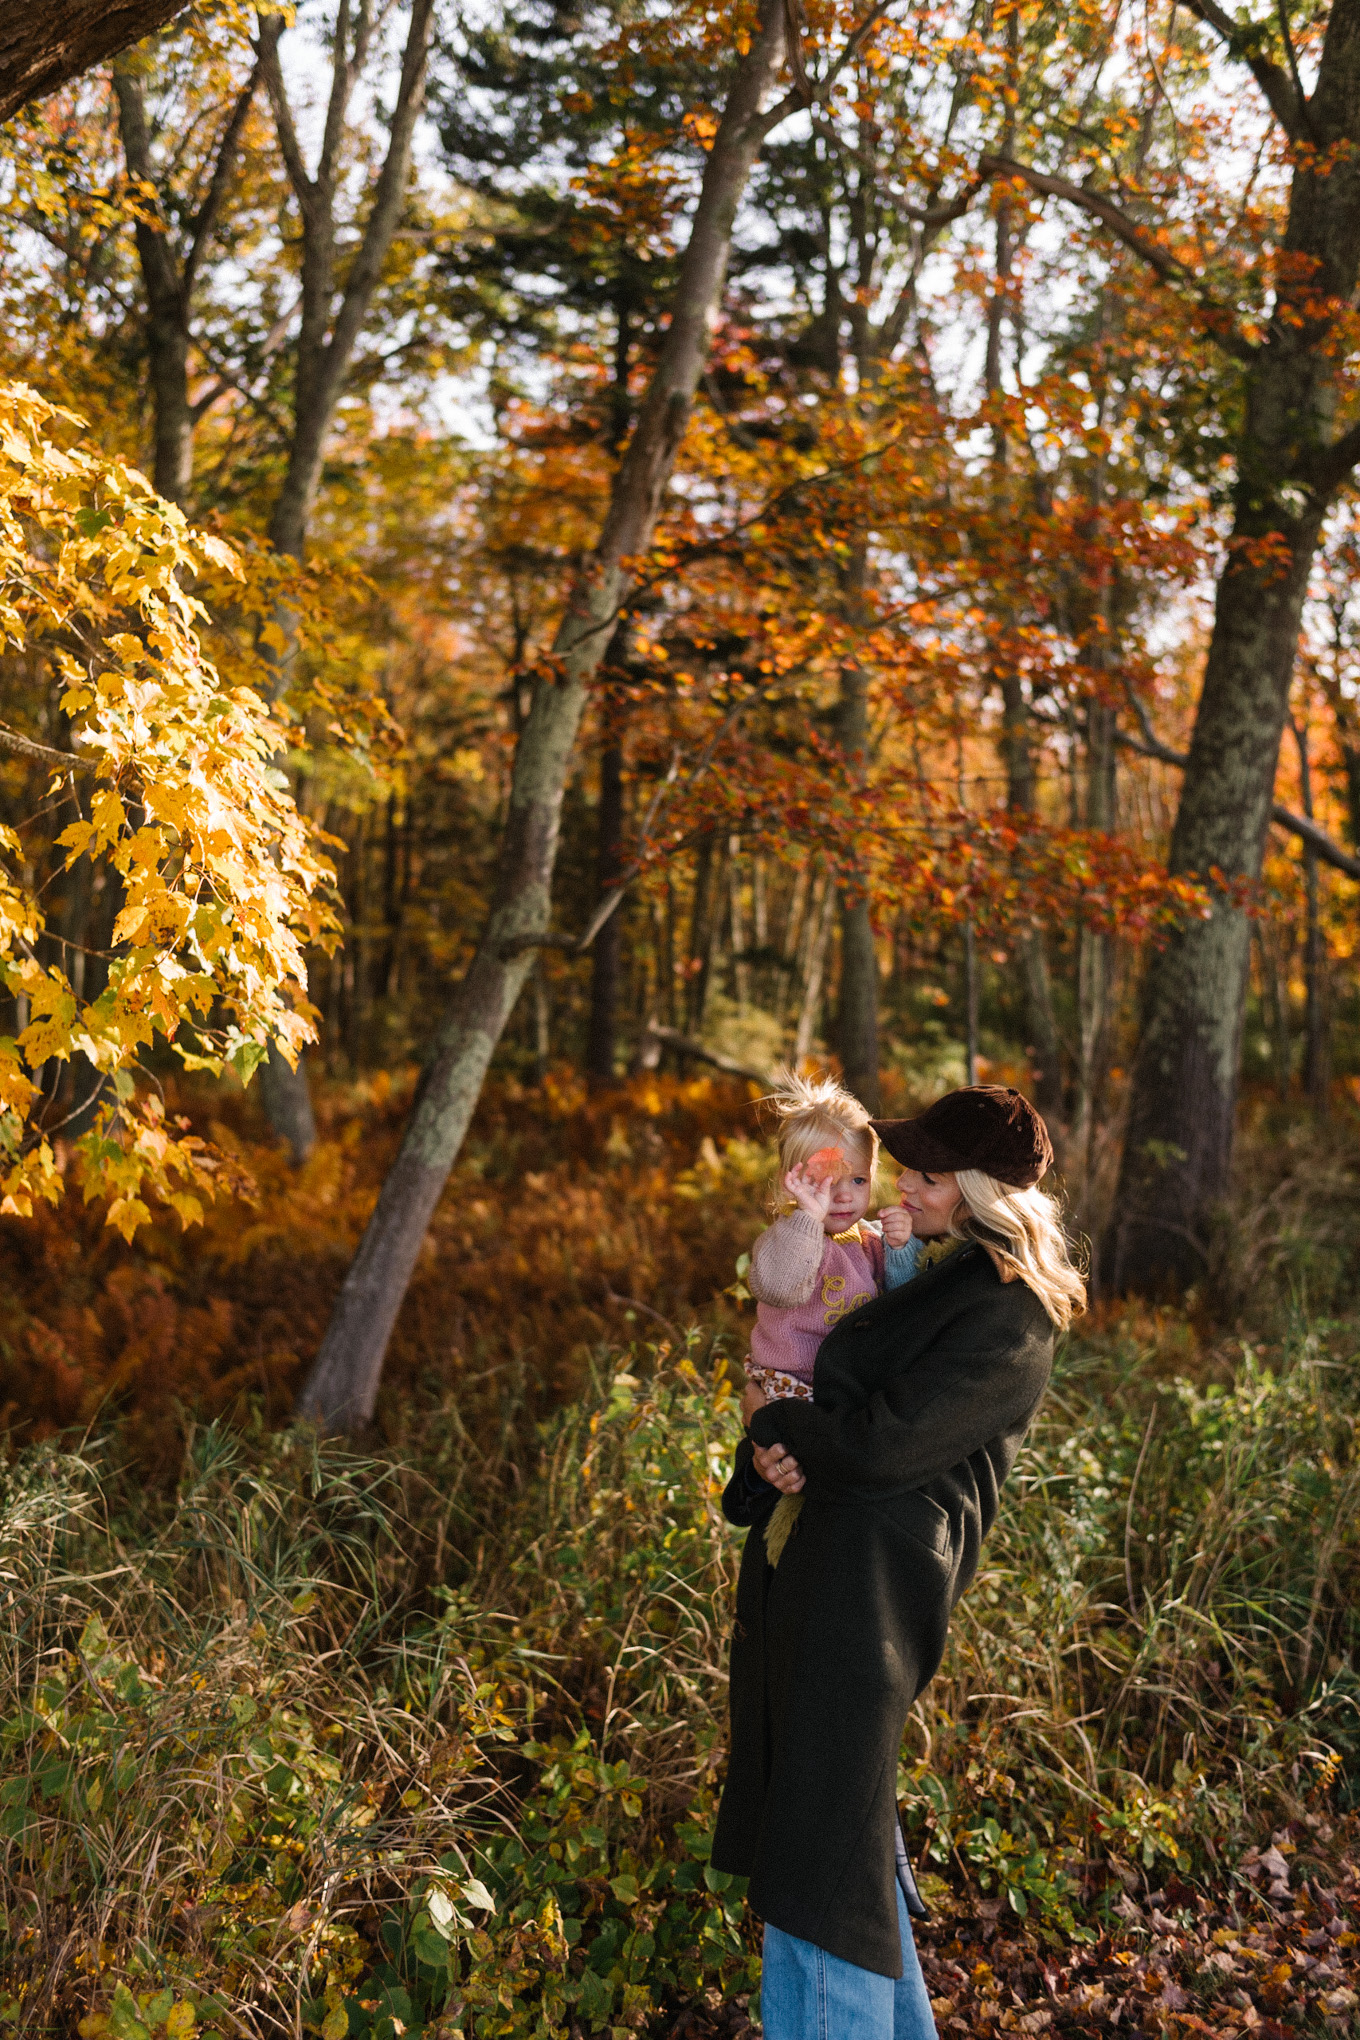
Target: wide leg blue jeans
point(806, 1994)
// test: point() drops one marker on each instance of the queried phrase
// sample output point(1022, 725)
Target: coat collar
point(971, 1257)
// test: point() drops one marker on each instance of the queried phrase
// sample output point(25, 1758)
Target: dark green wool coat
point(920, 1402)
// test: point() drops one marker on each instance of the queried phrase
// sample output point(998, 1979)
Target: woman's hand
point(814, 1198)
point(780, 1469)
point(773, 1463)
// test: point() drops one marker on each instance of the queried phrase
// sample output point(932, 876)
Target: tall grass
point(328, 1744)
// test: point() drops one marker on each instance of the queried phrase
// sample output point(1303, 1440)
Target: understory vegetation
point(427, 1735)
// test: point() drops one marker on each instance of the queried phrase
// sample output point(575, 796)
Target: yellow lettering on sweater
point(840, 1305)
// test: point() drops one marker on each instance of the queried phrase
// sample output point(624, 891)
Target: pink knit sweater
point(804, 1283)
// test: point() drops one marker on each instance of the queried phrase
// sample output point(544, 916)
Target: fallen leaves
point(1225, 1965)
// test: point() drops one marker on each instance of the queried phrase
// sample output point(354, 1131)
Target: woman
point(921, 1399)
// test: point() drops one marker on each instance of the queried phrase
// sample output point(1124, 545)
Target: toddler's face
point(851, 1195)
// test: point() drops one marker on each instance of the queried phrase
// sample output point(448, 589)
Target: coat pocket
point(923, 1520)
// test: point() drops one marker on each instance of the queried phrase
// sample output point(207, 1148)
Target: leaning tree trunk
point(343, 1384)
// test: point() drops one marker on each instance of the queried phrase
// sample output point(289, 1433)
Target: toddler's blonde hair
point(816, 1113)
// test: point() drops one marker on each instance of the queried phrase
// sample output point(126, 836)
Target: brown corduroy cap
point(987, 1126)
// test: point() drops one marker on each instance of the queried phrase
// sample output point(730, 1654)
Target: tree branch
point(685, 1044)
point(43, 754)
point(211, 208)
point(391, 192)
point(1149, 745)
point(267, 51)
point(1098, 206)
point(1331, 468)
point(1284, 97)
point(344, 70)
point(1301, 826)
point(44, 44)
point(805, 92)
point(153, 242)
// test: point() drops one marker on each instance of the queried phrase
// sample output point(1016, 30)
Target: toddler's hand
point(896, 1225)
point(753, 1398)
point(814, 1198)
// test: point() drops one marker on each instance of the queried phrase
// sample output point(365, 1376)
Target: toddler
point(823, 1258)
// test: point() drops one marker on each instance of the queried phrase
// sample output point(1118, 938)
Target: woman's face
point(931, 1200)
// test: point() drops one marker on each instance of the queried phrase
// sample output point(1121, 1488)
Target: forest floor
point(425, 1736)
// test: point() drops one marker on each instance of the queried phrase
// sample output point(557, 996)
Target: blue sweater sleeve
point(900, 1263)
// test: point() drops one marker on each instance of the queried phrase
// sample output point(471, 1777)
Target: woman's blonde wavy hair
point(1023, 1230)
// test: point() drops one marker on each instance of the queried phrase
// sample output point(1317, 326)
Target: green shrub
point(431, 1743)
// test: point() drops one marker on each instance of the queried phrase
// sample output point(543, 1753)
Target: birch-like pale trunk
point(342, 1387)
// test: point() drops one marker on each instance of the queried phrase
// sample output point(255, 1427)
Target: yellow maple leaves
point(172, 788)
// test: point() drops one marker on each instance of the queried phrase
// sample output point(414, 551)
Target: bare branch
point(1301, 826)
point(391, 192)
point(210, 211)
point(1332, 467)
point(267, 49)
point(1283, 94)
point(1217, 318)
point(805, 92)
point(25, 747)
point(44, 44)
point(1150, 745)
point(344, 71)
point(685, 1044)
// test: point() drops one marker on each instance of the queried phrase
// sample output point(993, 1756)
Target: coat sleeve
point(785, 1260)
point(940, 1412)
point(747, 1499)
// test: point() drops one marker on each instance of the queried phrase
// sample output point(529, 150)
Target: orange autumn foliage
point(572, 1220)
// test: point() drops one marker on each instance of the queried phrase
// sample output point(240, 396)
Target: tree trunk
point(857, 1019)
point(1274, 994)
point(1178, 1142)
point(1184, 1087)
point(1317, 1047)
point(167, 311)
point(700, 937)
point(168, 278)
point(43, 47)
point(1042, 1040)
point(607, 948)
point(325, 350)
point(970, 1003)
point(1093, 951)
point(343, 1384)
point(821, 916)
